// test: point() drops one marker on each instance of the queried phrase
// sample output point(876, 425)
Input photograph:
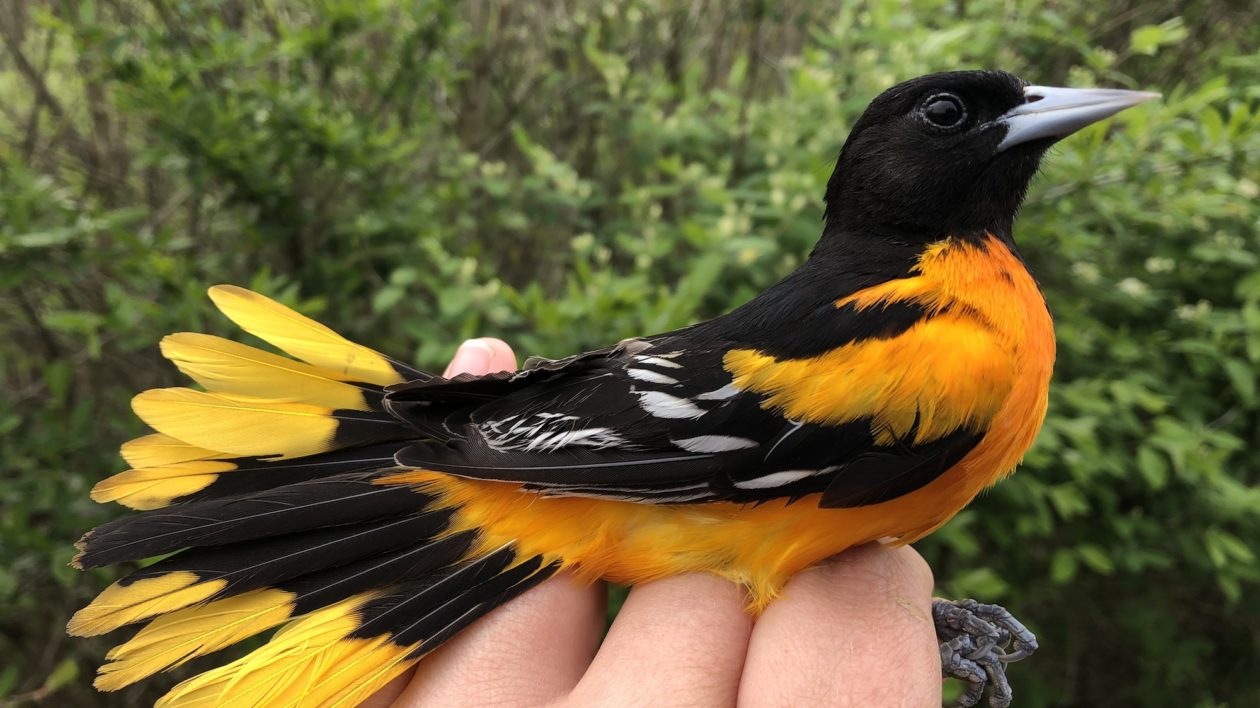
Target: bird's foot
point(977, 642)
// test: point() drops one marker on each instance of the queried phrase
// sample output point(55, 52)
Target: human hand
point(856, 630)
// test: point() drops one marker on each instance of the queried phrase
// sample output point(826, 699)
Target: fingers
point(855, 631)
point(387, 694)
point(677, 641)
point(485, 355)
point(532, 651)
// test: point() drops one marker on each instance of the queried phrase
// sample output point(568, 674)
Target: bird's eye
point(944, 110)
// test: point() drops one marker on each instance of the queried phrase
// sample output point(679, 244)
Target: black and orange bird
point(373, 510)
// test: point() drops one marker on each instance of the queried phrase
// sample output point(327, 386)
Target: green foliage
point(418, 172)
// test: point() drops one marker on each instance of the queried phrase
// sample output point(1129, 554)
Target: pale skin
point(855, 630)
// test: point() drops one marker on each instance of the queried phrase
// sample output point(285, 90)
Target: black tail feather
point(257, 475)
point(341, 499)
point(271, 561)
point(427, 611)
point(335, 584)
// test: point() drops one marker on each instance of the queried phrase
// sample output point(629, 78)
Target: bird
point(371, 510)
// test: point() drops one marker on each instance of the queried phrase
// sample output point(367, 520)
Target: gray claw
point(977, 641)
point(954, 663)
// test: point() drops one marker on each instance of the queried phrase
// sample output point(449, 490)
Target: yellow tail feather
point(303, 337)
point(232, 423)
point(311, 661)
point(257, 404)
point(173, 639)
point(224, 366)
point(155, 487)
point(121, 604)
point(157, 450)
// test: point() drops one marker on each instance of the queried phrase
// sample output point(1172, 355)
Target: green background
point(563, 175)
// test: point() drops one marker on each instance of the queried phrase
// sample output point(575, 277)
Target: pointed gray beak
point(1058, 112)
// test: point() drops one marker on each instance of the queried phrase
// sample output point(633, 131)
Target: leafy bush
point(418, 172)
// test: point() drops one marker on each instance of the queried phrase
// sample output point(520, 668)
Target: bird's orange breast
point(983, 360)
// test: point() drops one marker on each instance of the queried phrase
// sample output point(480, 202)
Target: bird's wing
point(664, 421)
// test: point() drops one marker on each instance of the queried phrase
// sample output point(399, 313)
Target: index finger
point(484, 355)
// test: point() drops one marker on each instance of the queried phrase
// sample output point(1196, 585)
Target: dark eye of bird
point(944, 110)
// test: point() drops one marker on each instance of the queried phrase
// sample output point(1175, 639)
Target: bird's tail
point(262, 493)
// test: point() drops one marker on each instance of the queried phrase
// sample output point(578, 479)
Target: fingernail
point(472, 357)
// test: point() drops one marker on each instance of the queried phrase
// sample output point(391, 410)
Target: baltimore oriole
point(375, 510)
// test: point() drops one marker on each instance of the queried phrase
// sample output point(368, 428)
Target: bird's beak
point(1058, 112)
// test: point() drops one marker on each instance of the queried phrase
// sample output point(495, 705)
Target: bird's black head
point(953, 153)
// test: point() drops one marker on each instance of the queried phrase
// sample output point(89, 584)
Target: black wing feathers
point(569, 467)
point(661, 421)
point(881, 474)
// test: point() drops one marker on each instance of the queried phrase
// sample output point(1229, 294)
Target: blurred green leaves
point(415, 173)
point(1147, 39)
